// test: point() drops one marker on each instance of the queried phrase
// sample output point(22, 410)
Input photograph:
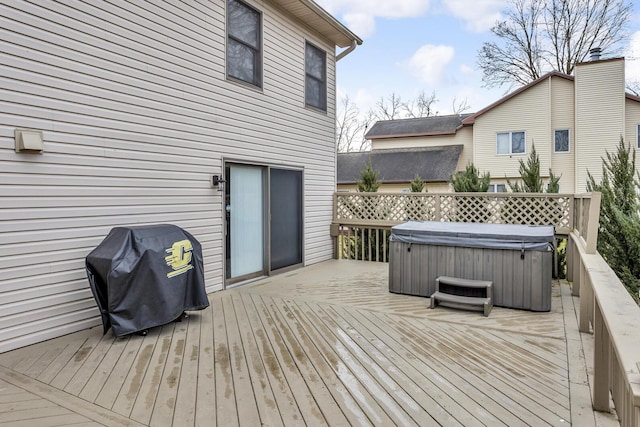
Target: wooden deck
point(324, 345)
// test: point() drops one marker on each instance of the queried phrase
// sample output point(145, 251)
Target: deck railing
point(610, 313)
point(361, 224)
point(361, 220)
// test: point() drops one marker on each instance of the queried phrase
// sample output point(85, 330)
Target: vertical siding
point(137, 114)
point(529, 112)
point(600, 115)
point(632, 120)
point(563, 117)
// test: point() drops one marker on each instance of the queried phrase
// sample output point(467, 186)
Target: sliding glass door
point(264, 224)
point(285, 193)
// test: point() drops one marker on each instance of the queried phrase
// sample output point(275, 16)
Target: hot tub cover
point(475, 235)
point(146, 276)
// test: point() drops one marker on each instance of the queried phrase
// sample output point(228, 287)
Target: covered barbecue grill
point(146, 276)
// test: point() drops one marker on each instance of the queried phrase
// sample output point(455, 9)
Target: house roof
point(436, 125)
point(433, 164)
point(320, 20)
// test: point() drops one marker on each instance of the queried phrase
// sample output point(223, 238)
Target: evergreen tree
point(531, 179)
point(470, 181)
point(417, 185)
point(619, 233)
point(368, 182)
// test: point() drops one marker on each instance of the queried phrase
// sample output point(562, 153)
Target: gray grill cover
point(475, 235)
point(146, 276)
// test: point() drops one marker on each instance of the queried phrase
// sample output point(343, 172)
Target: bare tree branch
point(538, 36)
point(422, 106)
point(459, 106)
point(390, 108)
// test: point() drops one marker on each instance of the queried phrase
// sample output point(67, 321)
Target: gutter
point(347, 51)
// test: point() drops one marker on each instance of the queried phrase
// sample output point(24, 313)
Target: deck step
point(460, 301)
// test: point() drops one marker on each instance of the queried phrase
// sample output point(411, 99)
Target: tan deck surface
point(324, 345)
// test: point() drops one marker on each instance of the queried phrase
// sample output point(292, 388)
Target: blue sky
point(428, 45)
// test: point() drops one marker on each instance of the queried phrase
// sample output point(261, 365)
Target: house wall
point(632, 120)
point(137, 115)
point(562, 117)
point(600, 115)
point(529, 111)
point(463, 136)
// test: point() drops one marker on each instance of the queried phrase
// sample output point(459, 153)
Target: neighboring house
point(131, 109)
point(572, 120)
point(434, 165)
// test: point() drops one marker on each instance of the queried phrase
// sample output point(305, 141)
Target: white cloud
point(364, 99)
point(360, 15)
point(479, 15)
point(632, 57)
point(467, 70)
point(429, 63)
point(360, 23)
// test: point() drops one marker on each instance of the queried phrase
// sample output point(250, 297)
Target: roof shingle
point(436, 125)
point(432, 164)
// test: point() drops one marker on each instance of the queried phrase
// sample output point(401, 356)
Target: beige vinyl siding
point(137, 115)
point(529, 111)
point(463, 136)
point(632, 120)
point(563, 117)
point(600, 115)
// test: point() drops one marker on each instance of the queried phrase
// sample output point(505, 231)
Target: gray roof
point(433, 164)
point(436, 125)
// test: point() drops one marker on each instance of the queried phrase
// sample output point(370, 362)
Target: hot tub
point(518, 259)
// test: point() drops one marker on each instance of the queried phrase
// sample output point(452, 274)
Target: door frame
point(266, 186)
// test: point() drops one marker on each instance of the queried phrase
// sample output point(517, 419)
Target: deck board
point(324, 345)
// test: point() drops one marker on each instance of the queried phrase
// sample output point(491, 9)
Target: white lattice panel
point(494, 208)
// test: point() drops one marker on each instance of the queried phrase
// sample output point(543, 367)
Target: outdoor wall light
point(29, 141)
point(218, 182)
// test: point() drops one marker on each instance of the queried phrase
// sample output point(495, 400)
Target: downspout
point(347, 51)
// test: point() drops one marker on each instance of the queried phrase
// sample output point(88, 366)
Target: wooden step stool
point(459, 301)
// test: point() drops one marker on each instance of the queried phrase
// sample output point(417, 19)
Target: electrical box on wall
point(29, 141)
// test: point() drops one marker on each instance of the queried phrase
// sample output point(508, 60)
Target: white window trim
point(568, 140)
point(511, 153)
point(493, 187)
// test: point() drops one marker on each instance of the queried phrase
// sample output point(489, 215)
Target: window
point(561, 141)
point(497, 188)
point(316, 77)
point(510, 143)
point(638, 136)
point(244, 54)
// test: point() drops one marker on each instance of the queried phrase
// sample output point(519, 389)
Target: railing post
point(585, 291)
point(570, 258)
point(571, 212)
point(593, 223)
point(577, 268)
point(601, 373)
point(437, 202)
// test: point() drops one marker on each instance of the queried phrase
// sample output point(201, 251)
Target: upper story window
point(244, 45)
point(510, 143)
point(497, 188)
point(561, 141)
point(315, 64)
point(638, 136)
